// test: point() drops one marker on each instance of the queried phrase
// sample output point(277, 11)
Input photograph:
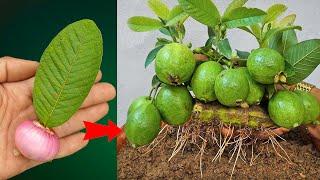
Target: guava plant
point(230, 88)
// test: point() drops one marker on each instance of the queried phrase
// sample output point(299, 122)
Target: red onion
point(36, 142)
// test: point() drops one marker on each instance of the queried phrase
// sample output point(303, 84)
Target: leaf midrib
point(66, 80)
point(306, 55)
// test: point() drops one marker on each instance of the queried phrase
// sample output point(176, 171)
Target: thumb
point(13, 69)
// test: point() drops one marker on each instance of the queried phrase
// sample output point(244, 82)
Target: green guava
point(174, 64)
point(175, 104)
point(265, 64)
point(143, 124)
point(256, 90)
point(286, 109)
point(231, 87)
point(203, 79)
point(311, 105)
point(137, 103)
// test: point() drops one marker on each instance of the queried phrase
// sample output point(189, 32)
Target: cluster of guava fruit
point(179, 73)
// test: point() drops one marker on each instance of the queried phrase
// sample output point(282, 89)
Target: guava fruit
point(286, 109)
point(265, 65)
point(256, 90)
point(138, 102)
point(202, 82)
point(231, 87)
point(143, 124)
point(311, 105)
point(174, 104)
point(174, 64)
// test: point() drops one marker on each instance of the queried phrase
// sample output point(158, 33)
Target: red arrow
point(98, 130)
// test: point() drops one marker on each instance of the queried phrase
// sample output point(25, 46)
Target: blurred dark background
point(26, 28)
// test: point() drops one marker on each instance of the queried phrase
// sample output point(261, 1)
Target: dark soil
point(134, 164)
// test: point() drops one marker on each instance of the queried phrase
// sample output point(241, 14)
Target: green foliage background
point(26, 28)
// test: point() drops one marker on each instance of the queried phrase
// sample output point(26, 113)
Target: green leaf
point(165, 31)
point(244, 28)
point(256, 30)
point(68, 68)
point(304, 57)
point(152, 55)
point(159, 8)
point(289, 38)
point(275, 32)
point(274, 12)
point(143, 24)
point(210, 42)
point(286, 21)
point(162, 41)
point(234, 5)
point(211, 32)
point(275, 42)
point(224, 48)
point(243, 54)
point(244, 17)
point(203, 11)
point(289, 70)
point(176, 15)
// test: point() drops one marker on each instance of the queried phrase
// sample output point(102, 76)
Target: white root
point(157, 140)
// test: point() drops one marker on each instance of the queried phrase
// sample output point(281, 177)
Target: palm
point(16, 83)
point(16, 106)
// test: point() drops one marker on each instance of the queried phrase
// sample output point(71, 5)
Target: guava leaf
point(244, 28)
point(225, 48)
point(162, 41)
point(286, 21)
point(243, 17)
point(289, 70)
point(176, 15)
point(211, 32)
point(234, 5)
point(203, 11)
point(289, 38)
point(276, 31)
point(152, 55)
point(304, 57)
point(159, 8)
point(256, 30)
point(165, 31)
point(68, 68)
point(243, 54)
point(143, 24)
point(274, 12)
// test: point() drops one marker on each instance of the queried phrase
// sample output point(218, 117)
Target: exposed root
point(238, 144)
point(224, 144)
point(275, 144)
point(229, 138)
point(181, 140)
point(161, 136)
point(201, 152)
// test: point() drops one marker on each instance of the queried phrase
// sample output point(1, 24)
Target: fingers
point(75, 124)
point(71, 144)
point(13, 69)
point(99, 93)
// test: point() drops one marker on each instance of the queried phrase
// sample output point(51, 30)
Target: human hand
point(16, 84)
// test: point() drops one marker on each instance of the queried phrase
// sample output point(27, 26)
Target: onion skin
point(36, 142)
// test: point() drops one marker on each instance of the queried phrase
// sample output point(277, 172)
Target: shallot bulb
point(36, 142)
